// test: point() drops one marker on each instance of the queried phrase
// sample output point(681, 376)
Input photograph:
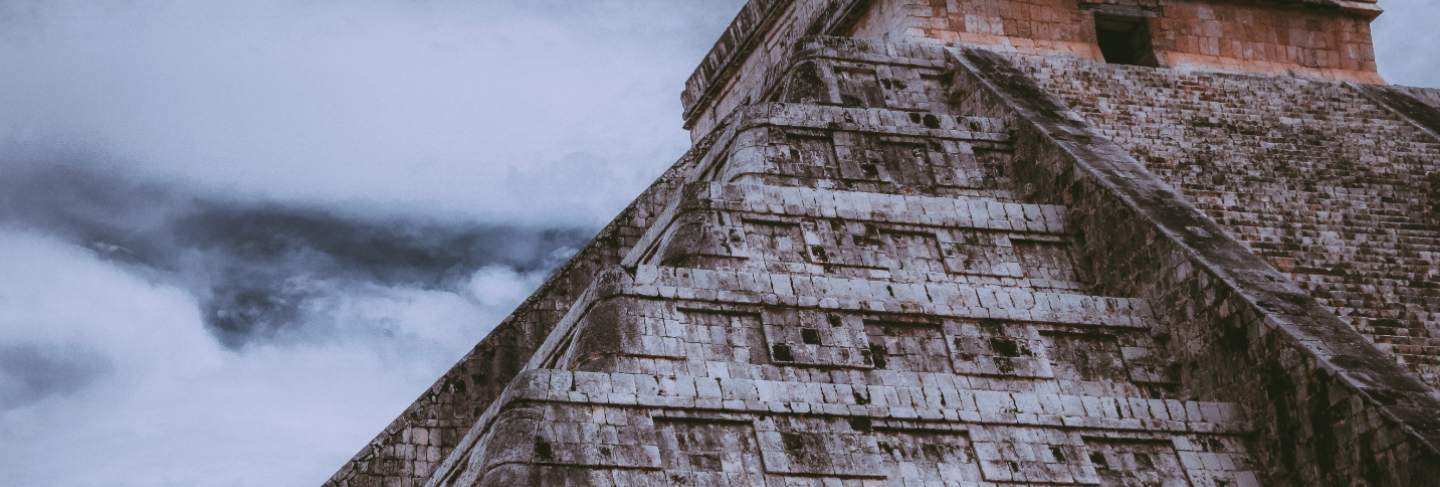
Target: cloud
point(109, 376)
point(32, 372)
point(258, 268)
point(497, 110)
point(161, 337)
point(1405, 42)
point(166, 337)
point(239, 237)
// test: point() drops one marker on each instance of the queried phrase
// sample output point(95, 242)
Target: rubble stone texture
point(924, 242)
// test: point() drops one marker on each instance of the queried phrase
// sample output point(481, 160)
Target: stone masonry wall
point(989, 293)
point(1187, 34)
point(1048, 26)
point(740, 68)
point(1326, 185)
point(1327, 408)
point(920, 266)
point(1322, 38)
point(409, 448)
point(1238, 37)
point(854, 296)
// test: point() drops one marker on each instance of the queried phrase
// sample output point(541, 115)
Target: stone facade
point(1328, 408)
point(1264, 37)
point(1311, 175)
point(853, 294)
point(911, 262)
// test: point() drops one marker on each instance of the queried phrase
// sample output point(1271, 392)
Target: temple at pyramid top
point(1319, 38)
point(988, 242)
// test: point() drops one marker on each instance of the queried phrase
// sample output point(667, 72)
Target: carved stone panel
point(915, 345)
point(997, 348)
point(1127, 462)
point(859, 87)
point(816, 339)
point(817, 447)
point(918, 457)
point(1085, 357)
point(700, 452)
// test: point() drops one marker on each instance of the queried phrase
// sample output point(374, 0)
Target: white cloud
point(500, 285)
point(506, 111)
point(549, 114)
point(542, 112)
point(162, 403)
point(1405, 41)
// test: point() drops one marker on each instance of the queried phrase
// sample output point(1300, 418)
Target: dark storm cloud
point(236, 238)
point(253, 265)
point(266, 260)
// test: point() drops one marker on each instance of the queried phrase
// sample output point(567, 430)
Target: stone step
point(634, 444)
point(876, 120)
point(903, 238)
point(952, 299)
point(975, 212)
point(863, 149)
point(939, 398)
point(761, 341)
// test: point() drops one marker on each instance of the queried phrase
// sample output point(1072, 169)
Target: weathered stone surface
point(1328, 38)
point(815, 298)
point(892, 263)
point(1327, 404)
point(1313, 176)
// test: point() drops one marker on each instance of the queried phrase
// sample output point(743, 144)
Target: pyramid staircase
point(910, 264)
point(847, 290)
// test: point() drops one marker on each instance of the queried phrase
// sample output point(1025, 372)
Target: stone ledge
point(932, 298)
point(759, 287)
point(975, 212)
point(532, 442)
point(874, 120)
point(783, 397)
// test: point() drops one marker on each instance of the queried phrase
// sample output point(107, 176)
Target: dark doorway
point(1125, 40)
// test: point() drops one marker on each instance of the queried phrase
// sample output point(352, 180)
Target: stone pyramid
point(926, 242)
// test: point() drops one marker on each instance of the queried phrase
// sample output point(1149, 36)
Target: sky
point(237, 238)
